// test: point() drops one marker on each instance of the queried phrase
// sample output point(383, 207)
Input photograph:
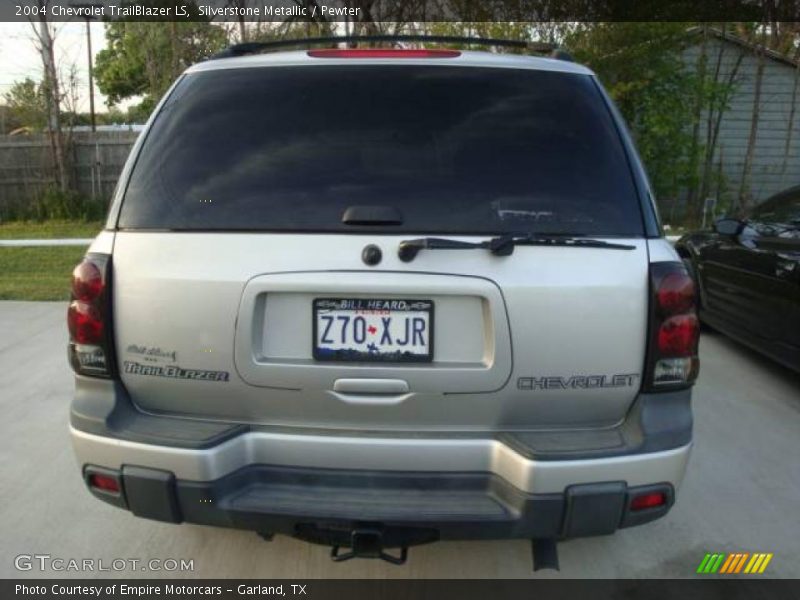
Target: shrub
point(57, 204)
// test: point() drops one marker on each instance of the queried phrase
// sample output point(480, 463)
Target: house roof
point(749, 45)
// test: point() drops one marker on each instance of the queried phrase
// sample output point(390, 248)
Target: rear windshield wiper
point(502, 245)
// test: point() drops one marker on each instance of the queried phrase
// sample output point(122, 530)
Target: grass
point(11, 230)
point(37, 273)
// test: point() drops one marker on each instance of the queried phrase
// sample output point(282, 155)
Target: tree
point(715, 89)
point(26, 104)
point(484, 29)
point(745, 194)
point(641, 66)
point(241, 20)
point(44, 40)
point(144, 58)
point(792, 112)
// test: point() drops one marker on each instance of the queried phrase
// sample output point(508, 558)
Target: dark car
point(748, 276)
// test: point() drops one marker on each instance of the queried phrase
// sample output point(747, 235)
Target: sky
point(19, 58)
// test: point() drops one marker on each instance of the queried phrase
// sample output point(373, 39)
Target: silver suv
point(373, 298)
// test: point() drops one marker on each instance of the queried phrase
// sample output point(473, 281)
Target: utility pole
point(87, 14)
point(91, 75)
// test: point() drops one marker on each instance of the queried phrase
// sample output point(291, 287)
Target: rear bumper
point(394, 455)
point(326, 506)
point(322, 485)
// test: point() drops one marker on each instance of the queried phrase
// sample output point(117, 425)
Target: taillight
point(87, 281)
point(677, 336)
point(89, 318)
point(675, 293)
point(85, 323)
point(674, 328)
point(382, 53)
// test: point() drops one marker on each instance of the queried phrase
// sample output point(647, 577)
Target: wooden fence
point(95, 161)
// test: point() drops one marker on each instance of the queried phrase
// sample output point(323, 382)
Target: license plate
point(373, 329)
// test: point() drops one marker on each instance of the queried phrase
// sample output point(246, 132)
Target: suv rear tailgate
point(529, 341)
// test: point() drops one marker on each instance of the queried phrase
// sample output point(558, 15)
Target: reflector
point(103, 482)
point(648, 501)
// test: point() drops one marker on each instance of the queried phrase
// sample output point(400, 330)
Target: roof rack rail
point(256, 47)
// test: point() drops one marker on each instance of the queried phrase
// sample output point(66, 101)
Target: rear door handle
point(371, 386)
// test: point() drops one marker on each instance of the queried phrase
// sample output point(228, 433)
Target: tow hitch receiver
point(368, 543)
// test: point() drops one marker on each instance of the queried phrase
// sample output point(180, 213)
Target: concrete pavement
point(741, 492)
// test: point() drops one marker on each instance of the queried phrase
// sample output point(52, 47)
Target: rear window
point(451, 149)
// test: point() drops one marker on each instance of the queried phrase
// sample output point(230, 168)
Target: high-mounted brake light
point(382, 53)
point(89, 318)
point(674, 328)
